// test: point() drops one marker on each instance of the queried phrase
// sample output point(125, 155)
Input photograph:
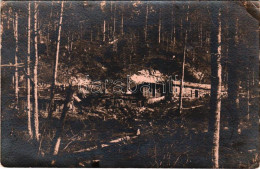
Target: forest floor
point(151, 136)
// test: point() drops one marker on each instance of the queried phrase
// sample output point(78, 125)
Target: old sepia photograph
point(130, 84)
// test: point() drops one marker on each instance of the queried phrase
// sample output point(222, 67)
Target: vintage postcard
point(130, 84)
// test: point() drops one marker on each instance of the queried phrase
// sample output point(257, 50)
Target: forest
point(206, 54)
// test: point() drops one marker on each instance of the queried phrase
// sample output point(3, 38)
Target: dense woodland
point(48, 44)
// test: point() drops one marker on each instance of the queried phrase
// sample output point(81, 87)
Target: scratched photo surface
point(130, 84)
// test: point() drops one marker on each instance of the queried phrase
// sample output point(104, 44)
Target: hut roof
point(193, 85)
point(146, 76)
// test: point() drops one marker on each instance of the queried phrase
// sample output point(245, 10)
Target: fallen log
point(112, 142)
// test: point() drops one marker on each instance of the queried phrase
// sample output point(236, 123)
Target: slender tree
point(59, 131)
point(233, 77)
point(248, 94)
point(29, 72)
point(159, 26)
point(104, 30)
point(146, 22)
point(1, 29)
point(35, 73)
point(173, 26)
point(16, 58)
point(58, 45)
point(172, 14)
point(122, 23)
point(181, 28)
point(216, 82)
point(56, 63)
point(1, 32)
point(174, 33)
point(48, 34)
point(114, 22)
point(182, 75)
point(201, 34)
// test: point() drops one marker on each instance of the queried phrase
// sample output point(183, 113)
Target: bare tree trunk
point(104, 31)
point(29, 73)
point(172, 22)
point(233, 78)
point(68, 43)
point(56, 63)
point(1, 31)
point(58, 44)
point(182, 76)
point(173, 29)
point(1, 34)
point(181, 28)
point(174, 33)
point(216, 83)
point(35, 74)
point(59, 131)
point(159, 27)
point(48, 34)
point(122, 24)
point(146, 22)
point(114, 25)
point(201, 36)
point(111, 6)
point(109, 30)
point(8, 20)
point(188, 17)
point(71, 42)
point(248, 96)
point(16, 59)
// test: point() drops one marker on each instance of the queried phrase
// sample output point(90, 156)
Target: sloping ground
point(154, 136)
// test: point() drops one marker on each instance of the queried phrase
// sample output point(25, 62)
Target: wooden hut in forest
point(156, 85)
